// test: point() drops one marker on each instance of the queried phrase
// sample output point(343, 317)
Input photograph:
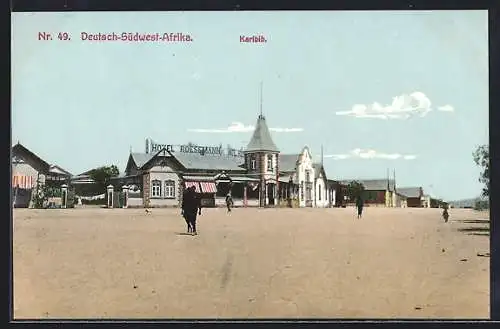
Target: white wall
point(321, 202)
point(24, 169)
point(164, 173)
point(305, 164)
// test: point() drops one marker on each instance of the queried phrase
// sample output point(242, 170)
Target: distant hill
point(466, 203)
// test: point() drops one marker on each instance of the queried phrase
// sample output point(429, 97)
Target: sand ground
point(257, 263)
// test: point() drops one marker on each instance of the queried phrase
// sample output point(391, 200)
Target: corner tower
point(261, 161)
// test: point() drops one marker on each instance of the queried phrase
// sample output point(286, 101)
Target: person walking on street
point(229, 202)
point(191, 207)
point(359, 206)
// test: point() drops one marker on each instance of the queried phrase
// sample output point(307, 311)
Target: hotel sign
point(153, 147)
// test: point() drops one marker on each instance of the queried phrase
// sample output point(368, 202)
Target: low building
point(414, 196)
point(378, 192)
point(31, 174)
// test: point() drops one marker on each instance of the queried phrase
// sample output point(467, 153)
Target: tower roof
point(261, 138)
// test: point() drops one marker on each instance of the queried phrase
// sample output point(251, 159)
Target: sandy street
point(254, 263)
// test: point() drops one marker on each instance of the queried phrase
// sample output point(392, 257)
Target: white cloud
point(286, 130)
point(238, 127)
point(402, 107)
point(446, 108)
point(370, 154)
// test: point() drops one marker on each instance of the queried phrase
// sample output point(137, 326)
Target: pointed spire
point(261, 139)
point(130, 148)
point(322, 156)
point(261, 100)
point(388, 186)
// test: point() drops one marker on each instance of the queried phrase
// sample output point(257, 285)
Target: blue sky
point(82, 104)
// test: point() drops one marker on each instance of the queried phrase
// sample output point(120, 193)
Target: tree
point(103, 175)
point(355, 190)
point(482, 158)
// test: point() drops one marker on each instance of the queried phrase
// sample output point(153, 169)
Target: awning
point(24, 182)
point(208, 187)
point(195, 184)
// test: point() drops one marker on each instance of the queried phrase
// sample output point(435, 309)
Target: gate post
point(64, 199)
point(125, 196)
point(110, 196)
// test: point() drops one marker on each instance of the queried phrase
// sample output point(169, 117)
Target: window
point(308, 176)
point(319, 192)
point(156, 189)
point(269, 163)
point(253, 164)
point(169, 189)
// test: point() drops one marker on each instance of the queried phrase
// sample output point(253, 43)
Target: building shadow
point(474, 229)
point(473, 221)
point(480, 233)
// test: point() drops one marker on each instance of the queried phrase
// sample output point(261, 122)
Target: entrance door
point(270, 193)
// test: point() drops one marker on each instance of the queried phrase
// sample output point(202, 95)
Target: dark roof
point(373, 184)
point(209, 162)
point(141, 159)
point(288, 162)
point(410, 192)
point(318, 167)
point(22, 151)
point(193, 161)
point(261, 138)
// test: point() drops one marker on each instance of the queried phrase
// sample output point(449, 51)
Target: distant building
point(378, 192)
point(30, 173)
point(262, 176)
point(414, 196)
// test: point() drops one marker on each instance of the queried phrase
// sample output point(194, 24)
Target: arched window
point(319, 192)
point(156, 189)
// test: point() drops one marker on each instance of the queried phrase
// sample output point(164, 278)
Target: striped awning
point(195, 184)
point(208, 187)
point(25, 182)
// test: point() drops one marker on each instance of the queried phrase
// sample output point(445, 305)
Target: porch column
point(110, 195)
point(266, 199)
point(64, 201)
point(125, 196)
point(245, 197)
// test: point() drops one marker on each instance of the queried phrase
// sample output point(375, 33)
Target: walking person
point(184, 206)
point(446, 215)
point(191, 208)
point(229, 202)
point(359, 206)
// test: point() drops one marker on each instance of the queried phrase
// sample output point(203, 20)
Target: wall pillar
point(125, 196)
point(64, 196)
point(110, 193)
point(245, 197)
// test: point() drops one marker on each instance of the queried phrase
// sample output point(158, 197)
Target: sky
point(405, 91)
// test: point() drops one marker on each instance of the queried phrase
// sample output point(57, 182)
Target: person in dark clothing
point(446, 215)
point(229, 202)
point(359, 205)
point(191, 207)
point(185, 196)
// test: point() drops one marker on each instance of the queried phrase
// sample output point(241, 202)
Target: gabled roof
point(22, 151)
point(318, 167)
point(374, 184)
point(54, 169)
point(410, 192)
point(261, 139)
point(288, 162)
point(192, 161)
point(140, 159)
